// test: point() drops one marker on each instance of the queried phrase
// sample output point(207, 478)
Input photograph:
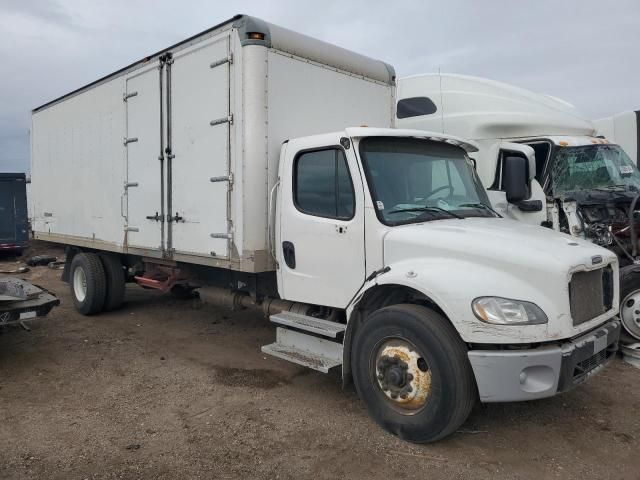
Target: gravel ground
point(175, 389)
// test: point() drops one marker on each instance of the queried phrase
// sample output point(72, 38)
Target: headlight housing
point(504, 311)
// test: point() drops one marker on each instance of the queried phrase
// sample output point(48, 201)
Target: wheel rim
point(79, 284)
point(630, 313)
point(402, 375)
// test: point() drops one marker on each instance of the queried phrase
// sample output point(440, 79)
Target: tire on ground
point(452, 392)
point(95, 279)
point(115, 279)
point(629, 283)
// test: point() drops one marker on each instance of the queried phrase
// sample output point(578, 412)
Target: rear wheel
point(115, 278)
point(88, 283)
point(412, 372)
point(630, 296)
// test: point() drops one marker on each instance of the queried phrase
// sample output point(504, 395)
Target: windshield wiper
point(427, 209)
point(482, 206)
point(609, 188)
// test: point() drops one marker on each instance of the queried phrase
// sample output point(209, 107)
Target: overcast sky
point(584, 51)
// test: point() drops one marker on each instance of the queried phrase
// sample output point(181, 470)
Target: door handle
point(289, 254)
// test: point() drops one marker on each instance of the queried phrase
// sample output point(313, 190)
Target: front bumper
point(518, 375)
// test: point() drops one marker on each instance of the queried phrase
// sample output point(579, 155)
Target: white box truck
point(542, 163)
point(623, 129)
point(230, 163)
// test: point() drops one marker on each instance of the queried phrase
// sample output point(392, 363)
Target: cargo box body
point(174, 156)
point(14, 228)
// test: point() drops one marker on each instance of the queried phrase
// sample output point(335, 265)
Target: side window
point(541, 150)
point(415, 106)
point(322, 185)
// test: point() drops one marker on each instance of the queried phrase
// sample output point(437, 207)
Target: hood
point(496, 242)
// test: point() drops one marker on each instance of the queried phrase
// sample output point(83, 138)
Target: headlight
point(503, 311)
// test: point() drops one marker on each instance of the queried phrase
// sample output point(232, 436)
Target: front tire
point(630, 300)
point(412, 372)
point(88, 283)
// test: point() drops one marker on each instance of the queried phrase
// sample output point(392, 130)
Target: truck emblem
point(596, 259)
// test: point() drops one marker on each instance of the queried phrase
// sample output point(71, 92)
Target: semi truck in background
point(623, 129)
point(542, 164)
point(228, 163)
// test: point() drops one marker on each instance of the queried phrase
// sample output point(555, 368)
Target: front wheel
point(412, 372)
point(630, 300)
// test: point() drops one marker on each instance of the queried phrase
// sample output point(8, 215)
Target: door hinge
point(131, 229)
point(219, 121)
point(223, 178)
point(127, 141)
point(127, 96)
point(222, 61)
point(130, 184)
point(156, 217)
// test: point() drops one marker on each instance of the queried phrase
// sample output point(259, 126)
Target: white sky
point(584, 51)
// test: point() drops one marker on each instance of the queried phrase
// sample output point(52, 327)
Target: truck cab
point(390, 234)
point(541, 161)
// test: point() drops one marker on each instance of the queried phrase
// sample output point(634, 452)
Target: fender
point(452, 284)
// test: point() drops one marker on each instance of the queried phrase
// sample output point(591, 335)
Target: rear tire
point(88, 283)
point(411, 370)
point(115, 279)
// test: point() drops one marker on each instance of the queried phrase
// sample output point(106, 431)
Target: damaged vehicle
point(542, 163)
point(21, 301)
point(594, 189)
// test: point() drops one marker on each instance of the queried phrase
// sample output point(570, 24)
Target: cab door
point(320, 240)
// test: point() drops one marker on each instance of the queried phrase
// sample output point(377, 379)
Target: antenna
point(441, 104)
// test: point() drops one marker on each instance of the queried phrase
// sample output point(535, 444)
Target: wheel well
point(374, 299)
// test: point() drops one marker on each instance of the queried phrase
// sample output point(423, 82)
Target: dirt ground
point(176, 389)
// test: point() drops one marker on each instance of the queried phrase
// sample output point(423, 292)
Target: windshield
point(593, 167)
point(414, 180)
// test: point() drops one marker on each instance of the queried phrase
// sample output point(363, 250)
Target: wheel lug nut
point(409, 377)
point(394, 395)
point(403, 396)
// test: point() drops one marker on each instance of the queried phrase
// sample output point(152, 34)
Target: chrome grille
point(590, 294)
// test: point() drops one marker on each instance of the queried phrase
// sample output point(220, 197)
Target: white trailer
point(226, 164)
point(183, 138)
point(624, 129)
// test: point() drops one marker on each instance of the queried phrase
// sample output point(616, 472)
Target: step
point(309, 324)
point(306, 350)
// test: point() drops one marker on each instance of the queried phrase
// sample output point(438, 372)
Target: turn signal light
point(255, 35)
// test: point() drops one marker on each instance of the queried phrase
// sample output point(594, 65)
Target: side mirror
point(515, 179)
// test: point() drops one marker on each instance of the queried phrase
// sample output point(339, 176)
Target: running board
point(309, 324)
point(306, 350)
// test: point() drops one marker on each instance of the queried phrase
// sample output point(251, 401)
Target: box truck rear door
point(143, 190)
point(201, 125)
